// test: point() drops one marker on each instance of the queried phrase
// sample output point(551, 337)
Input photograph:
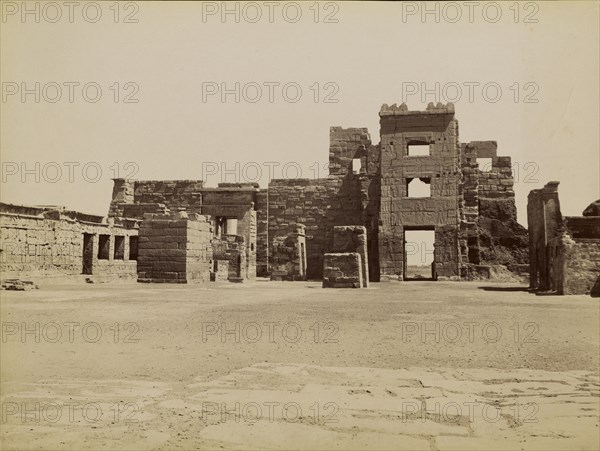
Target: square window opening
point(418, 187)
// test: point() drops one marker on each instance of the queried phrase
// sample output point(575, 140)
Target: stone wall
point(230, 258)
point(353, 239)
point(46, 242)
point(490, 232)
point(175, 249)
point(469, 233)
point(262, 233)
point(174, 194)
point(342, 198)
point(308, 202)
point(288, 261)
point(582, 254)
point(544, 220)
point(342, 270)
point(137, 198)
point(472, 211)
point(564, 252)
point(438, 129)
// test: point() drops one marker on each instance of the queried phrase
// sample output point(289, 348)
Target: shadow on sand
point(525, 289)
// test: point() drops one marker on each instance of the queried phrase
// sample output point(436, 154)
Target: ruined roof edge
point(396, 110)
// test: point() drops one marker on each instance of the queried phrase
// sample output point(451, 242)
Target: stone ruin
point(350, 224)
point(53, 241)
point(564, 251)
point(174, 248)
point(471, 211)
point(348, 265)
point(288, 258)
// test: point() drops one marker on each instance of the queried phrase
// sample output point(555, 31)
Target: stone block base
point(343, 270)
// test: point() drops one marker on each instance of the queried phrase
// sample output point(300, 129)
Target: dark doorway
point(119, 248)
point(103, 247)
point(302, 260)
point(419, 254)
point(88, 253)
point(133, 248)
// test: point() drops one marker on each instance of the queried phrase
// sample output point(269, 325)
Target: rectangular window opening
point(119, 248)
point(417, 150)
point(356, 165)
point(103, 247)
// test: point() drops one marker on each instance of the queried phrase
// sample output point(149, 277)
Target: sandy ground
point(413, 365)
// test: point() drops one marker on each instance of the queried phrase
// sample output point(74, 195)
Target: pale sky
point(372, 55)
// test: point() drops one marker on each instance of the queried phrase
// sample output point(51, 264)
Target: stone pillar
point(353, 239)
point(288, 261)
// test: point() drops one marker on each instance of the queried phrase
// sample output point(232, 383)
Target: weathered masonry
point(238, 238)
point(419, 177)
point(564, 252)
point(52, 241)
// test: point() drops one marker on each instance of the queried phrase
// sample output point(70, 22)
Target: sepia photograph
point(258, 225)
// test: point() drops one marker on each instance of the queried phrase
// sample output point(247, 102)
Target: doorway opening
point(88, 253)
point(419, 253)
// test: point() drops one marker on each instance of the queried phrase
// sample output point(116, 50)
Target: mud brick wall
point(175, 249)
point(342, 270)
point(437, 128)
point(38, 242)
point(353, 239)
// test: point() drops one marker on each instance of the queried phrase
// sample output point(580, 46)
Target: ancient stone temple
point(471, 210)
point(237, 240)
point(419, 177)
